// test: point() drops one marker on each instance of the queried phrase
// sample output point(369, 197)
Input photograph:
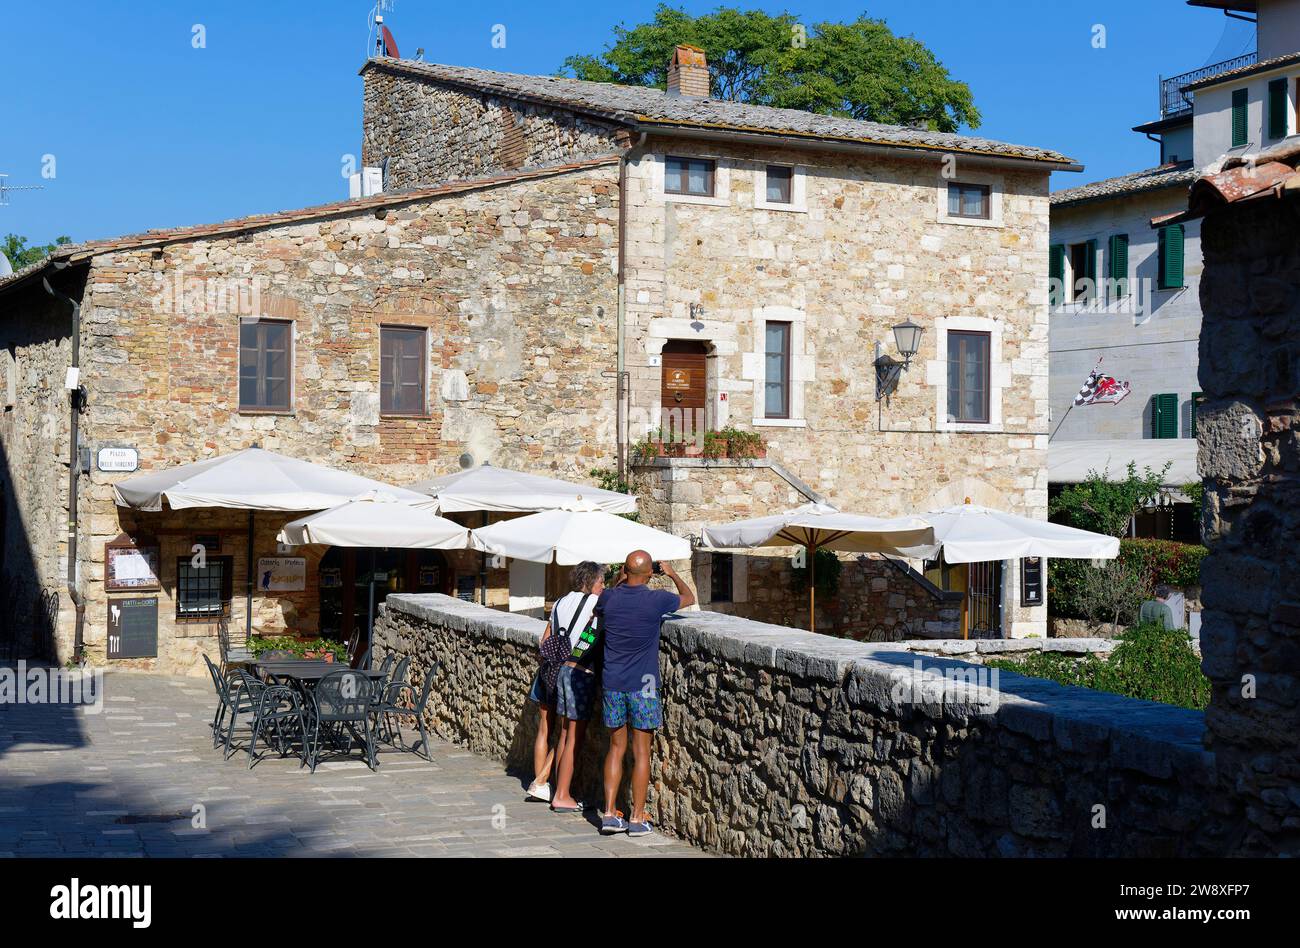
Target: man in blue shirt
point(630, 613)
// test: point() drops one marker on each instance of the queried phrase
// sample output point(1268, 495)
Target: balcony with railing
point(1173, 101)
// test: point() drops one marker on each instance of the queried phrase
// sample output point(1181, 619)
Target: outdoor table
point(309, 670)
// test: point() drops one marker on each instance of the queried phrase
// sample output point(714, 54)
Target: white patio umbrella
point(567, 537)
point(820, 526)
point(377, 519)
point(252, 480)
point(500, 489)
point(968, 533)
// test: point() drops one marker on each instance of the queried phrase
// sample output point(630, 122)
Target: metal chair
point(342, 701)
point(245, 695)
point(225, 702)
point(384, 684)
point(278, 708)
point(394, 703)
point(230, 656)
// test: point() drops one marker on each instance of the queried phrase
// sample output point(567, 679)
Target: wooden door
point(684, 391)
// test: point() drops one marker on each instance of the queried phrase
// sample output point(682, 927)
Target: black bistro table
point(308, 669)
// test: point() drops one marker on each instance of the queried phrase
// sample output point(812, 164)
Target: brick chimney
point(688, 73)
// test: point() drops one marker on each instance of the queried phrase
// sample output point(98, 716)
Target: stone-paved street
point(125, 782)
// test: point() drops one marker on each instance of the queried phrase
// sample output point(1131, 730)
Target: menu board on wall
point(133, 627)
point(128, 567)
point(1031, 581)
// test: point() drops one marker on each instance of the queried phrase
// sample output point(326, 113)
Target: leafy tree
point(860, 70)
point(1111, 593)
point(20, 255)
point(1106, 506)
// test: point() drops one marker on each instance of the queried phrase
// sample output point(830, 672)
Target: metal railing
point(1173, 100)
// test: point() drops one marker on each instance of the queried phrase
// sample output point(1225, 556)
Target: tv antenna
point(379, 39)
point(6, 187)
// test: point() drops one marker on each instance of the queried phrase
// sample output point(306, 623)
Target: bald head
point(638, 567)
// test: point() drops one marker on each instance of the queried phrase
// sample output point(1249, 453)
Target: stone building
point(574, 273)
point(767, 254)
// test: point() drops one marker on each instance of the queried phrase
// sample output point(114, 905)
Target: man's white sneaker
point(541, 791)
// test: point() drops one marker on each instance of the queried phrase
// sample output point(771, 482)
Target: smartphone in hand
point(659, 568)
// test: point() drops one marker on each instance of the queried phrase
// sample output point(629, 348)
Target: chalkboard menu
point(1031, 581)
point(133, 627)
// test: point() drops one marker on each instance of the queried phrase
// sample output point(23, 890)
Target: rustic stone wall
point(780, 742)
point(514, 283)
point(430, 132)
point(1249, 434)
point(35, 351)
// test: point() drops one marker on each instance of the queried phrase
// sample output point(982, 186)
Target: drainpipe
point(76, 405)
point(620, 390)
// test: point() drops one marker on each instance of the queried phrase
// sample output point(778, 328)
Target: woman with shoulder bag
point(578, 681)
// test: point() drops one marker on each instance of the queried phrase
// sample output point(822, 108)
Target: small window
point(1170, 252)
point(265, 361)
point(722, 577)
point(693, 176)
point(968, 377)
point(1277, 108)
point(1240, 117)
point(779, 179)
point(401, 371)
point(1164, 416)
point(969, 200)
point(776, 386)
point(1083, 271)
point(203, 592)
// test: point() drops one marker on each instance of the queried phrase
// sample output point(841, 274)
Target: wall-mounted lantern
point(907, 337)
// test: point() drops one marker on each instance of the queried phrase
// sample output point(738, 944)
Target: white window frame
point(798, 189)
point(936, 372)
point(803, 364)
point(721, 180)
point(995, 184)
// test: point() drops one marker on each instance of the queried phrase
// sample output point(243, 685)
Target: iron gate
point(984, 601)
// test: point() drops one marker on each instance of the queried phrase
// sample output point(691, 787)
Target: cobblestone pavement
point(125, 783)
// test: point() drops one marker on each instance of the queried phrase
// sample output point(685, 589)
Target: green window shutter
point(1164, 416)
point(1240, 102)
point(1196, 407)
point(1277, 108)
point(1118, 253)
point(1090, 263)
point(1056, 273)
point(1171, 257)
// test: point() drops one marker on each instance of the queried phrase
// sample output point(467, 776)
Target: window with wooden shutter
point(1056, 274)
point(265, 361)
point(1171, 257)
point(1277, 108)
point(1240, 104)
point(1164, 416)
point(1118, 265)
point(401, 371)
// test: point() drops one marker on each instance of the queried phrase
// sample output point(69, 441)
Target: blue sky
point(148, 131)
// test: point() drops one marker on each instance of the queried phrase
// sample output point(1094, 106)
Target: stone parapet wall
point(781, 742)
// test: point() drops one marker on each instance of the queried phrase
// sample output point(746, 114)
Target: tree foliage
point(860, 70)
point(1107, 506)
point(20, 255)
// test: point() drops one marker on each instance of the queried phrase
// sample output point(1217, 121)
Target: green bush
point(258, 644)
point(1150, 662)
point(1152, 561)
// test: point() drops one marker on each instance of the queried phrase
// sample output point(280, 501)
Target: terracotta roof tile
point(1166, 176)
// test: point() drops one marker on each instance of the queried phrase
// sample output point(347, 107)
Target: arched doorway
point(345, 575)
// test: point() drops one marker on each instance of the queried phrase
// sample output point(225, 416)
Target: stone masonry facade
point(865, 243)
point(778, 742)
point(513, 282)
point(1249, 434)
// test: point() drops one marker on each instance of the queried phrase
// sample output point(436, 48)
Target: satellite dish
point(6, 267)
point(390, 44)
